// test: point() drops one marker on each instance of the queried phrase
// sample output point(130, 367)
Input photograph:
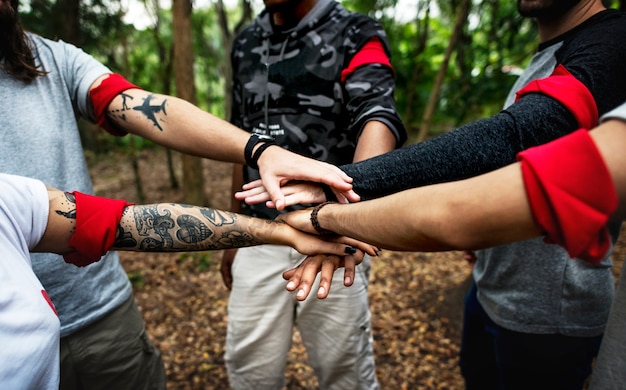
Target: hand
point(313, 244)
point(299, 219)
point(278, 166)
point(295, 192)
point(302, 277)
point(228, 258)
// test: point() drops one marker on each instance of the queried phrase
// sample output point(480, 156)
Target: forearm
point(468, 151)
point(375, 139)
point(457, 215)
point(170, 227)
point(177, 124)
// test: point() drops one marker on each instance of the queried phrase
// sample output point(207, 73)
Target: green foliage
point(210, 57)
point(136, 279)
point(202, 260)
point(495, 43)
point(99, 27)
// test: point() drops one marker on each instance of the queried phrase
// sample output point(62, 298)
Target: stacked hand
point(277, 167)
point(294, 192)
point(325, 254)
point(302, 277)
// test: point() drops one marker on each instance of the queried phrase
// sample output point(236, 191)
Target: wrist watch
point(254, 140)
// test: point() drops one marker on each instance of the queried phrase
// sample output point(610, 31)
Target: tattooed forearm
point(176, 227)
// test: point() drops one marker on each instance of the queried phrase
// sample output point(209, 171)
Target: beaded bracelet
point(315, 222)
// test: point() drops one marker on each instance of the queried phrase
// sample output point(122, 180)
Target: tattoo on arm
point(121, 113)
point(162, 228)
point(148, 109)
point(67, 209)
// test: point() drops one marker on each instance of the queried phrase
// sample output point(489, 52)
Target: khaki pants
point(336, 331)
point(113, 353)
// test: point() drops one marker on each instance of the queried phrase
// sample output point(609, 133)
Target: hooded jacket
point(289, 84)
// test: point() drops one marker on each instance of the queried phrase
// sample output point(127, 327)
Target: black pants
point(493, 357)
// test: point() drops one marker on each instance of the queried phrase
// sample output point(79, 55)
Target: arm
point(479, 212)
point(169, 227)
point(178, 124)
point(467, 151)
point(439, 217)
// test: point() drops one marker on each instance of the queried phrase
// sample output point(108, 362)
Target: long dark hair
point(16, 50)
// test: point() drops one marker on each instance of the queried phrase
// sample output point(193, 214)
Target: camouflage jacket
point(288, 84)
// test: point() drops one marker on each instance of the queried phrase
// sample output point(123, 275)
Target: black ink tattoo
point(236, 239)
point(192, 230)
point(72, 213)
point(124, 239)
point(149, 219)
point(218, 218)
point(150, 111)
point(120, 113)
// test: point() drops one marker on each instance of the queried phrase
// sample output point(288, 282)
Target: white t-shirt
point(29, 326)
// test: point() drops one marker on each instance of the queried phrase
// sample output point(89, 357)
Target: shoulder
point(60, 52)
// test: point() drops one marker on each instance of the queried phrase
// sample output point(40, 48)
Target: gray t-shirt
point(534, 287)
point(40, 139)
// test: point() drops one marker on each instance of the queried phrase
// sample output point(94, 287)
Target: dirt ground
point(416, 298)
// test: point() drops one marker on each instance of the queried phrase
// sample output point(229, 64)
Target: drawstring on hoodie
point(267, 77)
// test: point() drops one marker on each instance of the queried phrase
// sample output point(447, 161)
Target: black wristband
point(252, 142)
point(254, 162)
point(315, 222)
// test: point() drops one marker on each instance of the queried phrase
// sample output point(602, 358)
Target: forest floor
point(416, 299)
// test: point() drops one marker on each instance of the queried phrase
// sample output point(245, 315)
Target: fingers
point(272, 186)
point(253, 194)
point(349, 272)
point(329, 265)
point(371, 250)
point(253, 184)
point(302, 278)
point(346, 196)
point(336, 178)
point(293, 193)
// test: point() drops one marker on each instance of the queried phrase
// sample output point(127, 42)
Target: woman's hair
point(16, 50)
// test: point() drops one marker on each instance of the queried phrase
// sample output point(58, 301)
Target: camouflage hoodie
point(288, 84)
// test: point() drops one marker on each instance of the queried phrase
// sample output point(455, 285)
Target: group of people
point(531, 190)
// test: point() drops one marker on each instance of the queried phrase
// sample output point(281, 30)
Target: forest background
point(454, 62)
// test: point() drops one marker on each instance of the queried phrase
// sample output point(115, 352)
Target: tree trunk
point(193, 182)
point(420, 46)
point(459, 23)
point(165, 59)
point(69, 29)
point(227, 41)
